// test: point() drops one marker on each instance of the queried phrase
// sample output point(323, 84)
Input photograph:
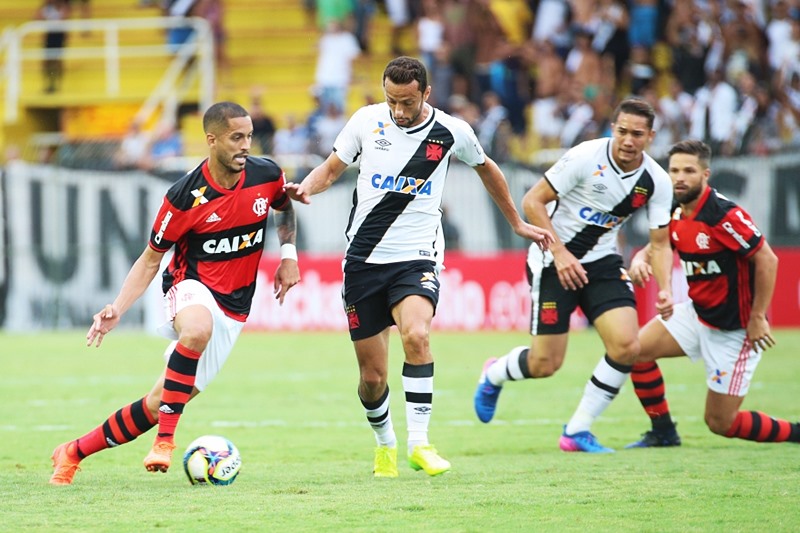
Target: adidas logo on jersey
point(214, 217)
point(166, 409)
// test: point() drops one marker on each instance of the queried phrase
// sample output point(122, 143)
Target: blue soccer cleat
point(582, 441)
point(486, 395)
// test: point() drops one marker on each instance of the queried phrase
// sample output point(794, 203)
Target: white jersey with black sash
point(396, 211)
point(595, 197)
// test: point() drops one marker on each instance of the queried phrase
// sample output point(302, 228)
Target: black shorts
point(609, 287)
point(371, 291)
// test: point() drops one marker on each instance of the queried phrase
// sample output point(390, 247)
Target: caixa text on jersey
point(403, 184)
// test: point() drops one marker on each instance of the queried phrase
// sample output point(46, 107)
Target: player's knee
point(195, 337)
point(415, 341)
point(372, 385)
point(718, 424)
point(627, 352)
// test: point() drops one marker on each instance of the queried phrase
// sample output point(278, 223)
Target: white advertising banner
point(72, 237)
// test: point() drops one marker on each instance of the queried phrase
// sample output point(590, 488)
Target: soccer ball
point(212, 460)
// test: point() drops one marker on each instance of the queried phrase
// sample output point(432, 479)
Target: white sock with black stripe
point(380, 420)
point(600, 391)
point(418, 387)
point(511, 367)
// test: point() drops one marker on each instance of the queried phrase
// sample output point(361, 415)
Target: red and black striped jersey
point(714, 245)
point(218, 233)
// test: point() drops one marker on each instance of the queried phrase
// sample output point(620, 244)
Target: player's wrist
point(288, 251)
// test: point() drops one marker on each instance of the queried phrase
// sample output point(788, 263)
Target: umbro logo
point(383, 143)
point(599, 187)
point(423, 410)
point(213, 218)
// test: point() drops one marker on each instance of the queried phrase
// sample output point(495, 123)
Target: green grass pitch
point(289, 402)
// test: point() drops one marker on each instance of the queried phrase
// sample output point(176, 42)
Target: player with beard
point(215, 218)
point(395, 244)
point(731, 272)
point(585, 198)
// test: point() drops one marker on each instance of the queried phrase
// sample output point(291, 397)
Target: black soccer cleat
point(657, 439)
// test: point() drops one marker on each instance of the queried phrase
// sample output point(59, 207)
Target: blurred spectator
point(430, 33)
point(337, 49)
point(583, 62)
point(263, 125)
point(551, 24)
point(362, 16)
point(783, 46)
point(400, 18)
point(178, 35)
point(641, 69)
point(460, 50)
point(54, 43)
point(676, 108)
point(132, 152)
point(461, 107)
point(166, 144)
point(434, 51)
point(493, 127)
point(579, 114)
point(292, 138)
point(328, 11)
point(644, 23)
point(327, 128)
point(213, 12)
point(689, 37)
point(498, 64)
point(714, 112)
point(610, 26)
point(745, 44)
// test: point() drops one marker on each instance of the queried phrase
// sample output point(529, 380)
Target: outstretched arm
point(495, 183)
point(288, 273)
point(136, 282)
point(317, 181)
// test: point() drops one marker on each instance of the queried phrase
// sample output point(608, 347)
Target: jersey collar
point(425, 124)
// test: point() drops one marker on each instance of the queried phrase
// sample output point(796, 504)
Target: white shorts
point(223, 337)
point(729, 358)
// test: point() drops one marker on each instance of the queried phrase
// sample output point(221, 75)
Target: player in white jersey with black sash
point(395, 244)
point(584, 199)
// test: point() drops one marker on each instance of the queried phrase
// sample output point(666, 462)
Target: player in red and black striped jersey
point(214, 218)
point(731, 272)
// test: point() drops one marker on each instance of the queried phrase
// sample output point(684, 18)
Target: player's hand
point(297, 192)
point(540, 236)
point(640, 273)
point(286, 277)
point(758, 332)
point(664, 304)
point(570, 271)
point(104, 321)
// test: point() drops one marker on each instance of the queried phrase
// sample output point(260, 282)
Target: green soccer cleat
point(425, 457)
point(385, 462)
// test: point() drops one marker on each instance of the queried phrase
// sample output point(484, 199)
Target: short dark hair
point(636, 106)
point(693, 147)
point(218, 115)
point(403, 70)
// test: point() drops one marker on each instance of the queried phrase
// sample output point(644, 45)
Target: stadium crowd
point(541, 74)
